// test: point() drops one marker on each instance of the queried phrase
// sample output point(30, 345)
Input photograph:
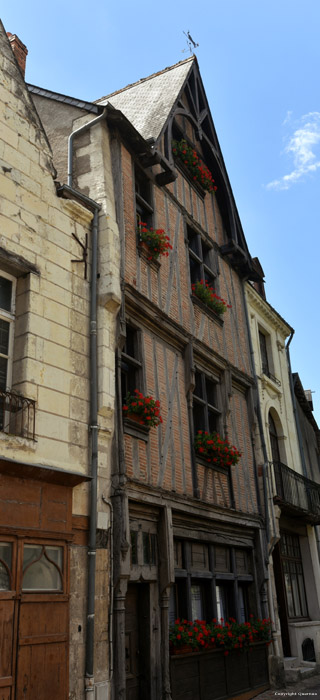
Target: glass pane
point(199, 420)
point(206, 255)
point(211, 392)
point(193, 239)
point(3, 373)
point(5, 559)
point(289, 595)
point(195, 270)
point(198, 391)
point(172, 605)
point(213, 421)
point(221, 603)
point(5, 294)
point(242, 604)
point(4, 578)
point(196, 603)
point(40, 574)
point(304, 609)
point(4, 336)
point(295, 593)
point(134, 547)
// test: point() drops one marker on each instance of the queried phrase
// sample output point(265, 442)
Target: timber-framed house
point(188, 538)
point(187, 532)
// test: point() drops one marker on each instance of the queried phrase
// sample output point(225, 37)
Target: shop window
point(206, 412)
point(293, 576)
point(200, 259)
point(143, 193)
point(131, 366)
point(42, 568)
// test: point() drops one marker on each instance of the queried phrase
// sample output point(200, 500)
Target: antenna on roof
point(192, 45)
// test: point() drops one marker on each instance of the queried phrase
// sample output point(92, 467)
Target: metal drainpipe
point(77, 132)
point(89, 659)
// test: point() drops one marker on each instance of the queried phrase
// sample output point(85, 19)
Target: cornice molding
point(267, 311)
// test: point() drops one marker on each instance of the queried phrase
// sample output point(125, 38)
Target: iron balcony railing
point(267, 372)
point(297, 493)
point(17, 415)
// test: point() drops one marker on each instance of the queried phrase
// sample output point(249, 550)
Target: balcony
point(17, 415)
point(296, 495)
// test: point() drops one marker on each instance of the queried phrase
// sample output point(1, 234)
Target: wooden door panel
point(42, 619)
point(6, 648)
point(42, 672)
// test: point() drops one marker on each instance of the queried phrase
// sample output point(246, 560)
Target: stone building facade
point(288, 465)
point(45, 446)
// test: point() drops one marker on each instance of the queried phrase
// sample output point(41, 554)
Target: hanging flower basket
point(196, 168)
point(206, 294)
point(142, 409)
point(214, 450)
point(154, 241)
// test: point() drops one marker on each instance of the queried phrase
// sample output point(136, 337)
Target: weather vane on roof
point(192, 45)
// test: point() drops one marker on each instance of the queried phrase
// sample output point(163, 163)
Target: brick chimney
point(20, 51)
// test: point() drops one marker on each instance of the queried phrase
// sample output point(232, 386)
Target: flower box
point(214, 450)
point(153, 242)
point(209, 298)
point(144, 410)
point(212, 675)
point(197, 170)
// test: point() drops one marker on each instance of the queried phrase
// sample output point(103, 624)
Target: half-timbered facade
point(188, 539)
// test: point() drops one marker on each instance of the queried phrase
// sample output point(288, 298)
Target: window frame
point(9, 317)
point(208, 580)
point(293, 559)
point(202, 401)
point(205, 271)
point(144, 208)
point(133, 361)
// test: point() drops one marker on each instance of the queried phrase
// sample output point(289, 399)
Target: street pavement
point(308, 688)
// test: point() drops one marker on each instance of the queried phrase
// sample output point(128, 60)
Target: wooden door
point(34, 620)
point(137, 642)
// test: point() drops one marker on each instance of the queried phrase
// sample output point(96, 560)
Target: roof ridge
point(149, 77)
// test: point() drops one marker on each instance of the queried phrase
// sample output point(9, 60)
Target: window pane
point(221, 603)
point(134, 547)
point(295, 593)
point(5, 564)
point(211, 392)
point(289, 595)
point(5, 294)
point(198, 417)
point(4, 336)
point(206, 255)
point(40, 574)
point(213, 421)
point(3, 373)
point(193, 240)
point(129, 347)
point(172, 605)
point(243, 605)
point(195, 270)
point(304, 609)
point(196, 603)
point(198, 391)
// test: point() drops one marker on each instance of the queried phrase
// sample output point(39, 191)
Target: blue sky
point(260, 64)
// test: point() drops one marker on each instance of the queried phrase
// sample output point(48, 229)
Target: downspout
point(89, 658)
point(77, 132)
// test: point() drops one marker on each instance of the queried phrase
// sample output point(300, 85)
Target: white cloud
point(304, 148)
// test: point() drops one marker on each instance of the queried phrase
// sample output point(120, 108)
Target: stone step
point(291, 661)
point(298, 673)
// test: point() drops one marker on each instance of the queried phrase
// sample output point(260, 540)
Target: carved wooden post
point(120, 627)
point(165, 658)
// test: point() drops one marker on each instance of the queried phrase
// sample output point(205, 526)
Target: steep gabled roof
point(148, 103)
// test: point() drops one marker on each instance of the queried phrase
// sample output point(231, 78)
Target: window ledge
point(143, 253)
point(130, 427)
point(267, 382)
point(210, 465)
point(206, 310)
point(194, 183)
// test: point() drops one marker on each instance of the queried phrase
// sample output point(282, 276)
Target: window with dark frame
point(7, 317)
point(216, 582)
point(206, 413)
point(200, 258)
point(264, 354)
point(291, 562)
point(131, 366)
point(143, 194)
